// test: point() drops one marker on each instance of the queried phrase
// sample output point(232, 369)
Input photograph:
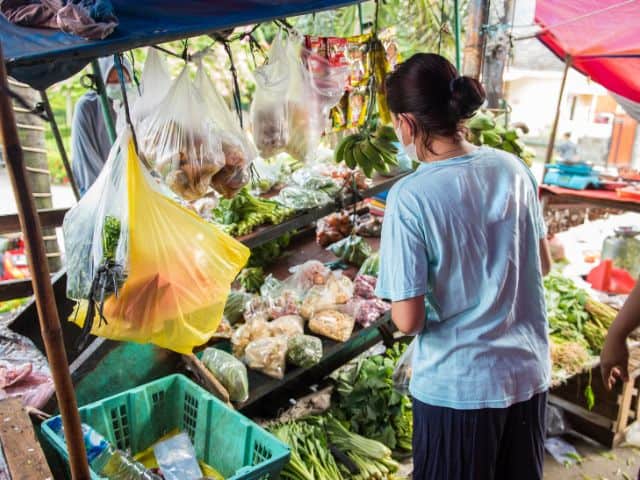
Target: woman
point(90, 143)
point(462, 258)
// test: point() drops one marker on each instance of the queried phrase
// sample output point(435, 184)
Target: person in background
point(462, 257)
point(90, 143)
point(567, 150)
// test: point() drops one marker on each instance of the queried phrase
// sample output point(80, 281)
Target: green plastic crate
point(223, 438)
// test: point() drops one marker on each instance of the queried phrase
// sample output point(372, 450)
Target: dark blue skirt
point(484, 444)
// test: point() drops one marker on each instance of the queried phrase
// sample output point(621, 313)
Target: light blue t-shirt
point(465, 233)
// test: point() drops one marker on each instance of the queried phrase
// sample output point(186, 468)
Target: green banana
point(349, 159)
point(374, 156)
point(362, 160)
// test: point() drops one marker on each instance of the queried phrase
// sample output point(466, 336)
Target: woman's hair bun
point(467, 95)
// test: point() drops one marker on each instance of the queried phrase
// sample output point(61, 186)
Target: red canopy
point(601, 36)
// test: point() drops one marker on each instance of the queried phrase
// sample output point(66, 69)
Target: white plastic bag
point(154, 85)
point(269, 106)
point(239, 152)
point(95, 230)
point(402, 372)
point(181, 142)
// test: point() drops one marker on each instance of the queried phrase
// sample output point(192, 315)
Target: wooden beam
point(15, 289)
point(39, 268)
point(556, 120)
point(21, 449)
point(49, 218)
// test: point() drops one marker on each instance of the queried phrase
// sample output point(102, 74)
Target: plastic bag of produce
point(230, 371)
point(268, 174)
point(368, 226)
point(269, 118)
point(179, 267)
point(246, 333)
point(234, 308)
point(352, 249)
point(299, 198)
point(281, 300)
point(402, 372)
point(95, 232)
point(307, 275)
point(256, 309)
point(267, 355)
point(155, 84)
point(288, 325)
point(332, 324)
point(238, 150)
point(365, 286)
point(370, 266)
point(181, 142)
point(304, 351)
point(332, 228)
point(365, 311)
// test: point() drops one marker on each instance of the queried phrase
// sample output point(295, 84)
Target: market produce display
point(365, 397)
point(352, 249)
point(304, 351)
point(251, 279)
point(322, 448)
point(577, 325)
point(244, 212)
point(486, 129)
point(230, 371)
point(372, 151)
point(370, 265)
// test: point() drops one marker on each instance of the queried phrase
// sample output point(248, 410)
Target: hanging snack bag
point(238, 150)
point(179, 268)
point(181, 142)
point(269, 118)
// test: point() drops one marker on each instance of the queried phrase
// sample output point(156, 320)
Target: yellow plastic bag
point(179, 271)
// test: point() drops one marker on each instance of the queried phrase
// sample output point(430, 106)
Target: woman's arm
point(614, 358)
point(545, 257)
point(408, 315)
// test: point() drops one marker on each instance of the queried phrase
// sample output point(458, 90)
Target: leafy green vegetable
point(269, 252)
point(304, 351)
point(370, 266)
point(352, 249)
point(110, 237)
point(233, 309)
point(366, 398)
point(251, 279)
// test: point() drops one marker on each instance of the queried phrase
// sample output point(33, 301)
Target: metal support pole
point(104, 101)
point(456, 21)
point(556, 120)
point(59, 143)
point(42, 288)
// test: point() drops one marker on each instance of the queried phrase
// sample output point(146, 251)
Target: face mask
point(114, 92)
point(409, 150)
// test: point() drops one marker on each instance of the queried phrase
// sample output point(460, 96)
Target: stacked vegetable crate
point(612, 412)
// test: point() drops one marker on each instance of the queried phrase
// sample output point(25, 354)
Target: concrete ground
point(598, 463)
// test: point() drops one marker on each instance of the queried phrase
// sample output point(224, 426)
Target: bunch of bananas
point(485, 129)
point(371, 151)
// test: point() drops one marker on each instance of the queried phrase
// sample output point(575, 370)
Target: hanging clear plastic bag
point(180, 142)
point(95, 232)
point(154, 86)
point(402, 372)
point(269, 118)
point(238, 150)
point(303, 108)
point(179, 268)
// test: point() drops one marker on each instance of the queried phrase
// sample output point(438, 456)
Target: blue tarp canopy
point(42, 57)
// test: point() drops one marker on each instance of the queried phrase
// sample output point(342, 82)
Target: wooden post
point(45, 300)
point(58, 138)
point(477, 18)
point(556, 120)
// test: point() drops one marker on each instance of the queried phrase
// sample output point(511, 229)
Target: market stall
point(34, 54)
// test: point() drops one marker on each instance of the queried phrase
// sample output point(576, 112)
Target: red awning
point(601, 36)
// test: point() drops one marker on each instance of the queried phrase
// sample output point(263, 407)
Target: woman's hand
point(614, 359)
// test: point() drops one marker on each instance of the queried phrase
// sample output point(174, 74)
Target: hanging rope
point(125, 103)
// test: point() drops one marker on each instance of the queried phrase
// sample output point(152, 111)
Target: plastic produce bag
point(238, 150)
point(299, 198)
point(234, 308)
point(288, 325)
point(352, 249)
point(180, 269)
point(307, 275)
point(365, 286)
point(177, 458)
point(155, 85)
point(332, 324)
point(304, 351)
point(269, 118)
point(402, 372)
point(95, 232)
point(337, 290)
point(370, 266)
point(230, 371)
point(366, 311)
point(180, 141)
point(267, 355)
